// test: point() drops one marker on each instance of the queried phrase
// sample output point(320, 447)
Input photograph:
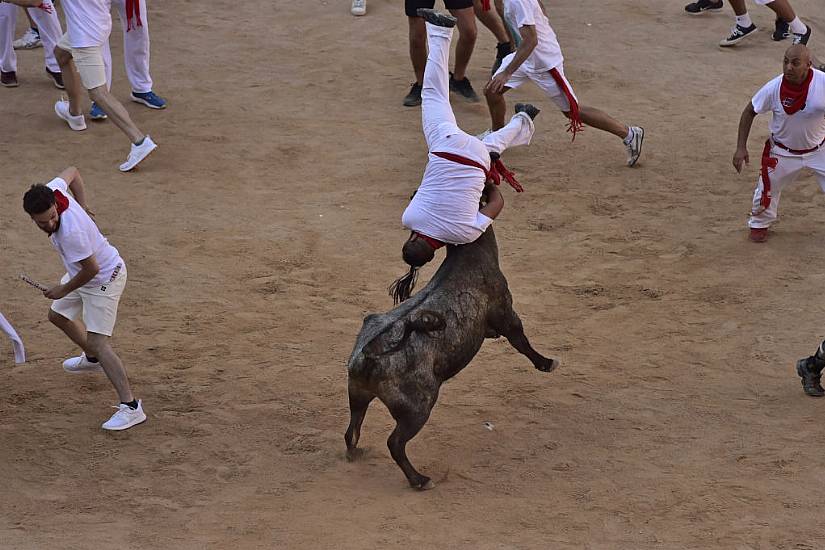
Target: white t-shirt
point(804, 129)
point(445, 207)
point(78, 237)
point(547, 54)
point(88, 22)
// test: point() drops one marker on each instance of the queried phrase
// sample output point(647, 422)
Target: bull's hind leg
point(409, 418)
point(511, 328)
point(359, 400)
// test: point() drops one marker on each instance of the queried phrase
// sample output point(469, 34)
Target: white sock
point(629, 135)
point(744, 20)
point(798, 27)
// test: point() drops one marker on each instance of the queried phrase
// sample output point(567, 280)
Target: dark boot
point(438, 19)
point(531, 110)
point(810, 370)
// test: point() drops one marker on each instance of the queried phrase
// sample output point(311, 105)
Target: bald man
point(787, 23)
point(796, 99)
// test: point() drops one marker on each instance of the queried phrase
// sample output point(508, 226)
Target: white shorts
point(89, 63)
point(97, 305)
point(543, 80)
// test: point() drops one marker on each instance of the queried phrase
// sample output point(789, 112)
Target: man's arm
point(88, 271)
point(495, 201)
point(740, 157)
point(529, 41)
point(30, 4)
point(71, 176)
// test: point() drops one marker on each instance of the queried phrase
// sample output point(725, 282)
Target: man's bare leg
point(71, 80)
point(601, 120)
point(498, 108)
point(418, 47)
point(467, 35)
point(117, 112)
point(74, 330)
point(493, 22)
point(112, 366)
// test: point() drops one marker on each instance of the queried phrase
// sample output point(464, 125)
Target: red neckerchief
point(576, 124)
point(133, 12)
point(794, 96)
point(496, 172)
point(768, 164)
point(61, 202)
point(485, 5)
point(434, 243)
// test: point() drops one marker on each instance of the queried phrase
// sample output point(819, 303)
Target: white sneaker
point(125, 417)
point(138, 153)
point(359, 7)
point(78, 365)
point(634, 146)
point(75, 122)
point(29, 41)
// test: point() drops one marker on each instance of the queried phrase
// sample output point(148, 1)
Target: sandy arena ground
point(267, 225)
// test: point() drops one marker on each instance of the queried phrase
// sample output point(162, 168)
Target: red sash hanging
point(133, 12)
point(768, 164)
point(496, 172)
point(575, 124)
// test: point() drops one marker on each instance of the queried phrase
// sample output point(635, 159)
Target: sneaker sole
point(146, 103)
point(127, 426)
point(98, 118)
point(703, 11)
point(358, 12)
point(10, 84)
point(84, 370)
point(132, 167)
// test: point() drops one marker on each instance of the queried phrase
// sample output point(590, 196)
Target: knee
point(418, 36)
point(96, 343)
point(62, 56)
point(98, 94)
point(468, 32)
point(493, 97)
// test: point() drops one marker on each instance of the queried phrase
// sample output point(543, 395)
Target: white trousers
point(50, 32)
point(135, 50)
point(437, 117)
point(786, 172)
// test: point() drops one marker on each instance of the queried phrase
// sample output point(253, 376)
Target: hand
point(740, 158)
point(498, 83)
point(56, 292)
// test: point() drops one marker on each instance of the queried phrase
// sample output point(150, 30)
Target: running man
point(796, 100)
point(80, 55)
point(91, 288)
point(460, 167)
point(539, 58)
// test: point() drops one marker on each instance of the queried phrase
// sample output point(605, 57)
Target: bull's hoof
point(354, 454)
point(425, 484)
point(548, 365)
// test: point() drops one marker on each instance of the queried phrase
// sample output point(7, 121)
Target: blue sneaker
point(97, 113)
point(150, 99)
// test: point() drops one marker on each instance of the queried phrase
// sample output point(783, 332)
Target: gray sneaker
point(438, 19)
point(634, 145)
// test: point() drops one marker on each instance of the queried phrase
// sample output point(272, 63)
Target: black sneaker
point(8, 79)
point(811, 374)
point(737, 34)
point(531, 110)
point(57, 77)
point(781, 30)
point(697, 8)
point(802, 38)
point(463, 88)
point(413, 98)
point(502, 50)
point(438, 19)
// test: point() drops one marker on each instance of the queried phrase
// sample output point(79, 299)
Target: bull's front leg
point(508, 324)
